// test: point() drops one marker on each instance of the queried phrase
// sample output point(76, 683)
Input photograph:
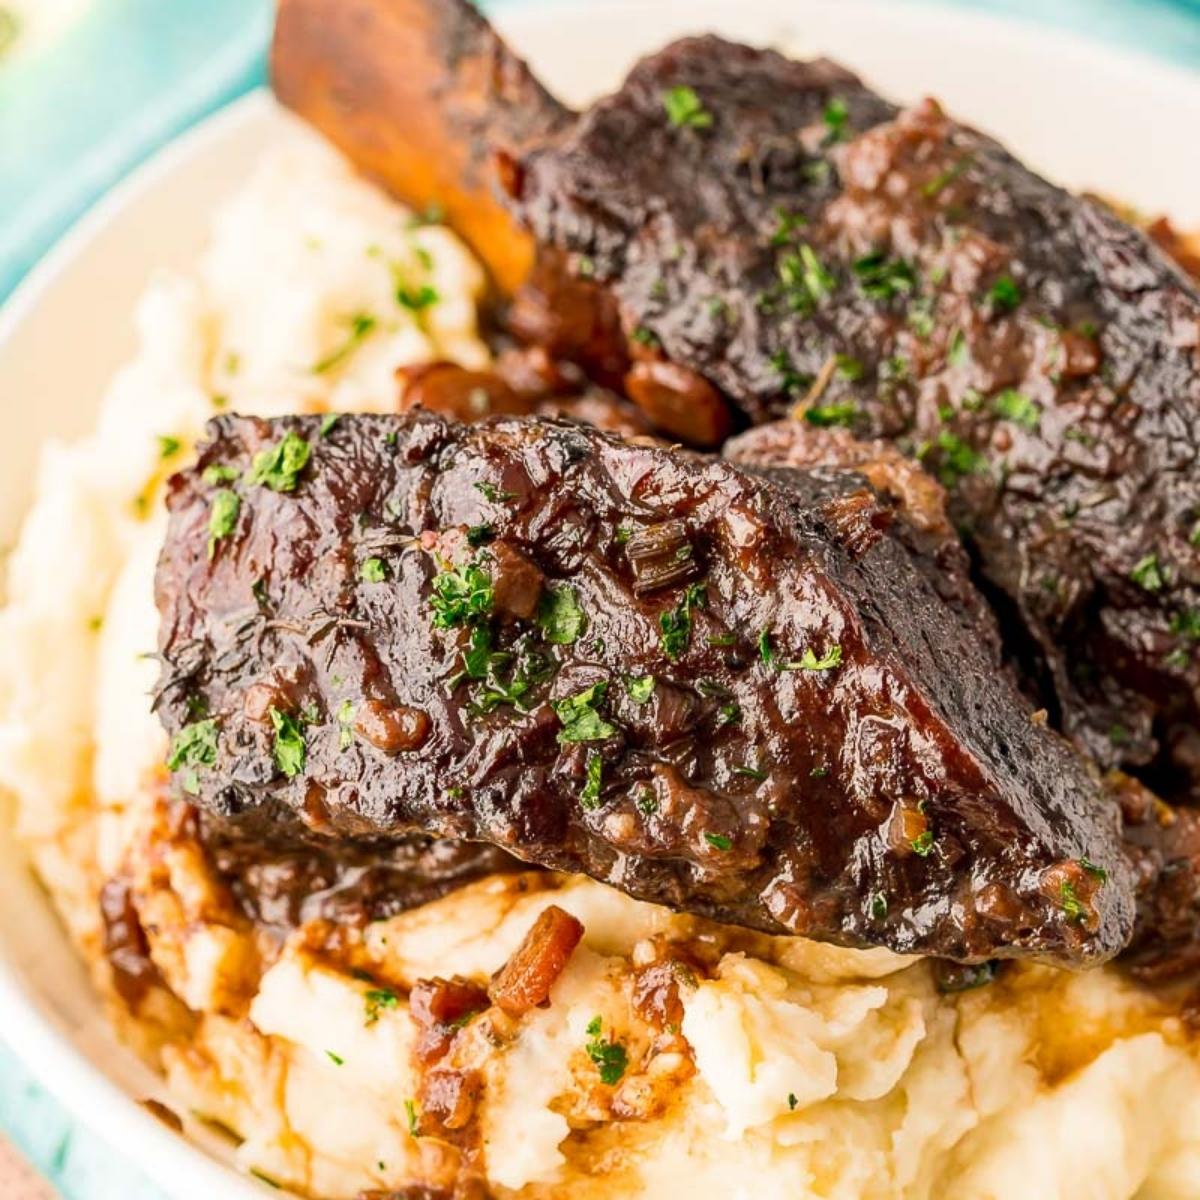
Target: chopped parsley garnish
point(610, 1057)
point(835, 117)
point(1187, 624)
point(461, 595)
point(810, 662)
point(793, 381)
point(479, 535)
point(718, 841)
point(722, 639)
point(362, 325)
point(278, 467)
point(290, 750)
point(922, 844)
point(920, 318)
point(849, 367)
point(581, 722)
point(1070, 902)
point(765, 651)
point(646, 800)
point(644, 336)
point(805, 279)
point(879, 906)
point(560, 618)
point(345, 720)
point(946, 177)
point(956, 352)
point(168, 446)
point(590, 796)
point(414, 1119)
point(416, 300)
point(219, 473)
point(676, 626)
point(640, 688)
point(729, 714)
point(751, 773)
point(373, 570)
point(378, 999)
point(336, 1059)
point(1148, 574)
point(1017, 407)
point(493, 494)
point(684, 108)
point(792, 1101)
point(1004, 295)
point(194, 747)
point(222, 517)
point(1093, 870)
point(823, 416)
point(956, 458)
point(881, 277)
point(328, 421)
point(788, 227)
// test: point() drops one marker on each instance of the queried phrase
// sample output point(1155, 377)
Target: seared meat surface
point(737, 692)
point(806, 247)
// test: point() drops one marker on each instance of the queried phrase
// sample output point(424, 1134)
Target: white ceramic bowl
point(1087, 116)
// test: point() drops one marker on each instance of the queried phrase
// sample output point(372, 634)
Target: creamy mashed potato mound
point(797, 1069)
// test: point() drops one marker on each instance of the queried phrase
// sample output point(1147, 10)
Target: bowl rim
point(178, 1165)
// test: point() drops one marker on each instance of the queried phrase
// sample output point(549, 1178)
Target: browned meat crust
point(738, 695)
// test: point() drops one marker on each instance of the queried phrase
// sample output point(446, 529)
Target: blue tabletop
point(104, 92)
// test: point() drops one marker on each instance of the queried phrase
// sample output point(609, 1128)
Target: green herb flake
point(1016, 407)
point(461, 595)
point(168, 446)
point(1093, 870)
point(290, 750)
point(581, 722)
point(640, 688)
point(218, 473)
point(414, 1118)
point(792, 1102)
point(589, 798)
point(1186, 624)
point(879, 906)
point(222, 516)
point(377, 1001)
point(765, 650)
point(756, 773)
point(825, 416)
point(418, 299)
point(194, 748)
point(881, 278)
point(645, 800)
point(922, 844)
point(805, 279)
point(362, 325)
point(722, 639)
point(676, 626)
point(944, 178)
point(1004, 295)
point(835, 116)
point(788, 226)
point(609, 1057)
point(491, 493)
point(373, 570)
point(849, 367)
point(957, 353)
point(560, 618)
point(336, 1059)
point(644, 336)
point(1070, 903)
point(810, 662)
point(345, 720)
point(1148, 574)
point(278, 467)
point(263, 1177)
point(957, 458)
point(328, 421)
point(718, 841)
point(684, 108)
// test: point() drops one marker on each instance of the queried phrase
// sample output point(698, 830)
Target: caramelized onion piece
point(525, 981)
point(661, 556)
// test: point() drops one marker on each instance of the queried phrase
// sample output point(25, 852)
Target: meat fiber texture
point(805, 246)
point(736, 696)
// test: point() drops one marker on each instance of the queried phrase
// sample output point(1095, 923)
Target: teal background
point(78, 115)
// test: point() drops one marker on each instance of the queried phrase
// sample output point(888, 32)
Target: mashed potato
point(794, 1069)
